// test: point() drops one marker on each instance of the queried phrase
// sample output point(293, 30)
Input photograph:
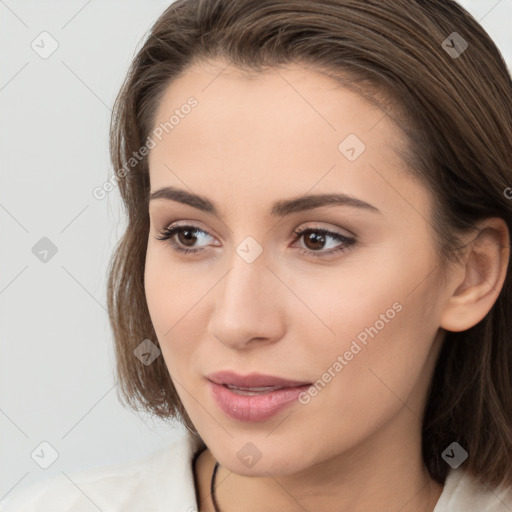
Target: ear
point(479, 278)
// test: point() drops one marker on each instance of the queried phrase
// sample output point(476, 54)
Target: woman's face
point(351, 309)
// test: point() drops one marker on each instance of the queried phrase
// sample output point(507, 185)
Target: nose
point(248, 306)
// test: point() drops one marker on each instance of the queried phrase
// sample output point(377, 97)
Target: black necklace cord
point(212, 487)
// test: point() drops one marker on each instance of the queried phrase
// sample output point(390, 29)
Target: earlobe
point(484, 269)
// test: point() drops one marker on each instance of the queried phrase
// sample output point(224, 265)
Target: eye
point(183, 239)
point(187, 236)
point(316, 238)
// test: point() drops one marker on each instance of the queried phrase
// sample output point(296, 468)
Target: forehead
point(289, 126)
point(284, 95)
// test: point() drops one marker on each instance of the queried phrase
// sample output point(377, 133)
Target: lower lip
point(258, 407)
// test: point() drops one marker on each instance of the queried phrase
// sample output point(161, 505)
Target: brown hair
point(456, 110)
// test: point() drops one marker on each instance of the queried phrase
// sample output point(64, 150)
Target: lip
point(257, 407)
point(252, 380)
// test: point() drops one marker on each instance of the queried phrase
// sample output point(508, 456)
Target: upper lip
point(252, 380)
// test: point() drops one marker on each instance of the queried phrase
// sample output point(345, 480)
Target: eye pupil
point(319, 239)
point(185, 234)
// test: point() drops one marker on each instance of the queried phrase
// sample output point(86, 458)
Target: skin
point(250, 142)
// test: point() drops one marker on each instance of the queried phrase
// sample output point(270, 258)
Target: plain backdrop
point(56, 365)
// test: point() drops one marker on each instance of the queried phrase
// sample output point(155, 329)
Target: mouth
point(255, 397)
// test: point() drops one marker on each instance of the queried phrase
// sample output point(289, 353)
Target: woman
point(313, 278)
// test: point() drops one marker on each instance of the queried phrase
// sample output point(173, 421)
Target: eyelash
point(168, 233)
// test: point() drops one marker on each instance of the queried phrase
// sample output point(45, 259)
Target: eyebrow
point(279, 208)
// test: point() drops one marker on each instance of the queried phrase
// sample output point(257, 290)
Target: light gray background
point(56, 364)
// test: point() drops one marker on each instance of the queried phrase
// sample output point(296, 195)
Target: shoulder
point(163, 480)
point(462, 491)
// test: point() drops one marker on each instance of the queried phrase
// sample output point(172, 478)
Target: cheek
point(169, 293)
point(174, 300)
point(382, 327)
point(375, 364)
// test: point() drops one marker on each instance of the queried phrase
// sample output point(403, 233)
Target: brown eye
point(315, 240)
point(187, 237)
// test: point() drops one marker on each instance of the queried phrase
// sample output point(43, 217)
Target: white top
point(164, 482)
